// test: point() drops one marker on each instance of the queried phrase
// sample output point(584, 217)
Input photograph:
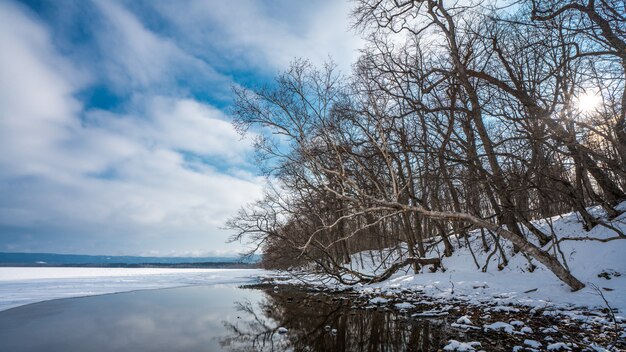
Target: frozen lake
point(21, 286)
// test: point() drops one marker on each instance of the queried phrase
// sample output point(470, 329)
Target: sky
point(115, 134)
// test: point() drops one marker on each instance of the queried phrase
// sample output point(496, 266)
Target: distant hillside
point(52, 259)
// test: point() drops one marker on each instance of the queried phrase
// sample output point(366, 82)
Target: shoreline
point(519, 327)
point(457, 325)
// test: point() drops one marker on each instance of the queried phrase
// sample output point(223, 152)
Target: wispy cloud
point(121, 177)
point(264, 35)
point(162, 171)
point(136, 59)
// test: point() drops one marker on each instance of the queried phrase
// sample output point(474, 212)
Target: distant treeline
point(212, 265)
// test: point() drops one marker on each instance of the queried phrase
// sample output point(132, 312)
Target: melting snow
point(378, 300)
point(500, 325)
point(532, 343)
point(454, 345)
point(559, 346)
point(464, 320)
point(403, 305)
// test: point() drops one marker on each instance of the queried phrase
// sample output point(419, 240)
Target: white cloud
point(36, 103)
point(116, 183)
point(139, 59)
point(177, 124)
point(268, 35)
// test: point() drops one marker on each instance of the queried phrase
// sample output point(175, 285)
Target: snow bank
point(601, 266)
point(20, 286)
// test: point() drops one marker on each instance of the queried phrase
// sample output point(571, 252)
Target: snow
point(454, 345)
point(505, 309)
point(597, 348)
point(464, 326)
point(378, 300)
point(526, 330)
point(559, 346)
point(431, 313)
point(500, 325)
point(404, 305)
point(600, 266)
point(532, 343)
point(464, 320)
point(20, 286)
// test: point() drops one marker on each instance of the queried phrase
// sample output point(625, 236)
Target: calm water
point(212, 318)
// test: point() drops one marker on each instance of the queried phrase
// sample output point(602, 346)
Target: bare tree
point(457, 116)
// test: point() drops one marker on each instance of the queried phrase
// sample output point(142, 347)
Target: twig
point(611, 314)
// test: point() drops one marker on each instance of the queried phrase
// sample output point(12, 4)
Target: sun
point(588, 102)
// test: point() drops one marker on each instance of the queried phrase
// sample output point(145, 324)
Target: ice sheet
point(20, 286)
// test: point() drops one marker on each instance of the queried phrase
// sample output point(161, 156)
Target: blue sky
point(114, 129)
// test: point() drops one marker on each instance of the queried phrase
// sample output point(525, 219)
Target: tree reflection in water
point(318, 322)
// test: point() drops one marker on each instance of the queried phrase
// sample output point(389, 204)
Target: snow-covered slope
point(601, 266)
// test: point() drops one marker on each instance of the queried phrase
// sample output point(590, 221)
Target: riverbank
point(496, 290)
point(461, 326)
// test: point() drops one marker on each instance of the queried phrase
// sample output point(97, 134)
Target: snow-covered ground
point(601, 266)
point(20, 286)
point(509, 299)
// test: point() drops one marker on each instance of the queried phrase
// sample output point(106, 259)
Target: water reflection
point(324, 323)
point(182, 319)
point(211, 318)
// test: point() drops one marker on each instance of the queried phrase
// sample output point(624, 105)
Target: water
point(212, 318)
